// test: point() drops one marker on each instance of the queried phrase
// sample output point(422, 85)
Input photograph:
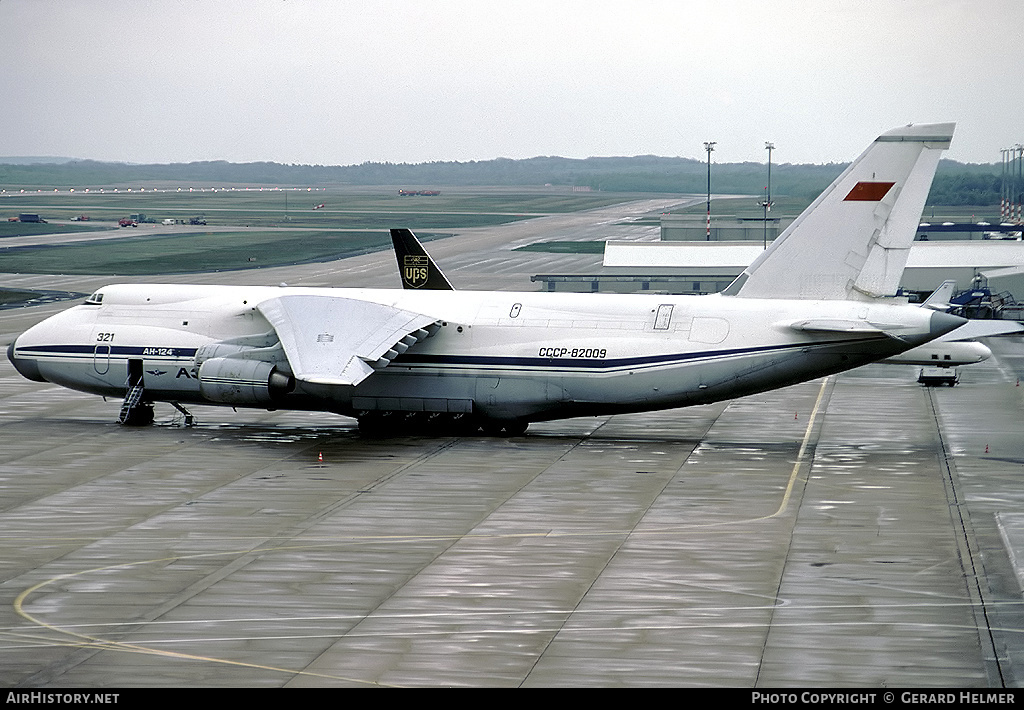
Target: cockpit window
point(95, 299)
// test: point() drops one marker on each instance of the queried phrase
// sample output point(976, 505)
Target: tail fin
point(853, 241)
point(415, 266)
point(939, 298)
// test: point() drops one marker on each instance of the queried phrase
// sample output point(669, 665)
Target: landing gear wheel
point(464, 425)
point(517, 428)
point(376, 426)
point(505, 428)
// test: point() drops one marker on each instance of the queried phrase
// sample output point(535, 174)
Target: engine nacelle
point(228, 380)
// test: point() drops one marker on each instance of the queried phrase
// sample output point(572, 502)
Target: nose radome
point(29, 369)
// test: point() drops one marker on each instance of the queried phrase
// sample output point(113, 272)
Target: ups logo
point(414, 270)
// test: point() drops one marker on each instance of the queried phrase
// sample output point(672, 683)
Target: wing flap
point(333, 340)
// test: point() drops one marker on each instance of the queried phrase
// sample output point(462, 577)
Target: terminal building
point(685, 262)
point(753, 227)
point(740, 228)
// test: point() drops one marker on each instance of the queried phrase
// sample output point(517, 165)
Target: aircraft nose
point(942, 323)
point(28, 369)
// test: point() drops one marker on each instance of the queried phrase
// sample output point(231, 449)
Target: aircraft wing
point(334, 340)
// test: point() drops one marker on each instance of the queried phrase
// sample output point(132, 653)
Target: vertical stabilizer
point(853, 241)
point(940, 297)
point(417, 269)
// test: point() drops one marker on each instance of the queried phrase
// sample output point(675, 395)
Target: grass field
point(353, 208)
point(8, 296)
point(351, 221)
point(195, 252)
point(565, 247)
point(28, 229)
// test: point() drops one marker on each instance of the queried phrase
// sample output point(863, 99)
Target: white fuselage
point(498, 355)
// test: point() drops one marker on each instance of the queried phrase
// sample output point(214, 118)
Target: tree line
point(955, 183)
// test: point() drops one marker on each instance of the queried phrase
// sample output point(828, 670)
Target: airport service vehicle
point(126, 222)
point(937, 376)
point(818, 301)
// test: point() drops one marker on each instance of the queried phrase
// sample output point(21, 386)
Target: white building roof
point(928, 265)
point(733, 256)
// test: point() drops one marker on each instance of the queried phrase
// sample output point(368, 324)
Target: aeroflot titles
point(906, 698)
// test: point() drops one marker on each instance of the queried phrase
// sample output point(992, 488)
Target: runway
point(857, 531)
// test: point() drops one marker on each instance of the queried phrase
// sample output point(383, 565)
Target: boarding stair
point(131, 401)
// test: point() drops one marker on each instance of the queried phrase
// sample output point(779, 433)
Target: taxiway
point(856, 531)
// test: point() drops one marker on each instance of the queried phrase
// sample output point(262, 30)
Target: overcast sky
point(336, 82)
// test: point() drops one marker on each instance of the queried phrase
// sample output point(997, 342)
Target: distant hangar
point(708, 267)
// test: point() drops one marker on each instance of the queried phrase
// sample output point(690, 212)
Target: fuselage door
point(664, 317)
point(134, 372)
point(101, 358)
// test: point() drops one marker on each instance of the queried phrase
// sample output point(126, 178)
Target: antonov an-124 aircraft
point(820, 300)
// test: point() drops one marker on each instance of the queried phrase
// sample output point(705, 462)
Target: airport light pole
point(709, 146)
point(1019, 179)
point(767, 204)
point(1004, 188)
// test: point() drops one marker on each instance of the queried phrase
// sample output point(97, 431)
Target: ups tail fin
point(417, 269)
point(853, 241)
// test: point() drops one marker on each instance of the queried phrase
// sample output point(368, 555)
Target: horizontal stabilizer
point(981, 329)
point(836, 326)
point(334, 340)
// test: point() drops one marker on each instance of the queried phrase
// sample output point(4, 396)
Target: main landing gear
point(387, 424)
